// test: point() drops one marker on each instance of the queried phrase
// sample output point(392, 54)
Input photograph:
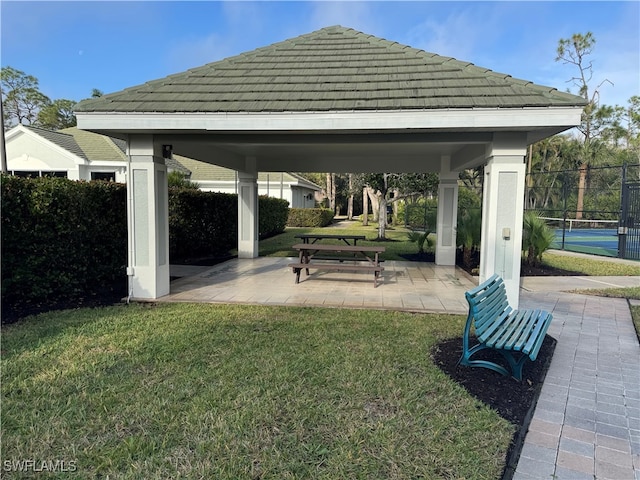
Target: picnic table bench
point(314, 237)
point(516, 334)
point(324, 257)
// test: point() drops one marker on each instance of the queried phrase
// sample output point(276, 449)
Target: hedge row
point(201, 223)
point(64, 243)
point(206, 223)
point(309, 217)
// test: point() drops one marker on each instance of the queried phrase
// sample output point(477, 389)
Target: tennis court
point(596, 241)
point(597, 237)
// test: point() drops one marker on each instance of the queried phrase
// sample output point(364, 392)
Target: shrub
point(63, 241)
point(201, 223)
point(420, 238)
point(468, 234)
point(273, 216)
point(422, 213)
point(177, 179)
point(309, 217)
point(537, 237)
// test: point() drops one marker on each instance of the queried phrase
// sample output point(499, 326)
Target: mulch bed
point(514, 401)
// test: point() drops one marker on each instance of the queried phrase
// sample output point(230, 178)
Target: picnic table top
point(332, 235)
point(337, 248)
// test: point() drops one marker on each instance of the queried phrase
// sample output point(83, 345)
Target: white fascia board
point(109, 163)
point(473, 118)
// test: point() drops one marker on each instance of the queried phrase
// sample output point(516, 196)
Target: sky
point(73, 47)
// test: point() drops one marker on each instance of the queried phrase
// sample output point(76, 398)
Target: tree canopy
point(24, 103)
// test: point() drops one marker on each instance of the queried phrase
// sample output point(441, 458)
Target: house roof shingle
point(331, 69)
point(97, 147)
point(203, 171)
point(62, 139)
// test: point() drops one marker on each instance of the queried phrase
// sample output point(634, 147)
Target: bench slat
point(519, 323)
point(494, 331)
point(535, 341)
point(491, 309)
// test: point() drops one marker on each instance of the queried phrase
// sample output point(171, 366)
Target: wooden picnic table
point(338, 257)
point(314, 237)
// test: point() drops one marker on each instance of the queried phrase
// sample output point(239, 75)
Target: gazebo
point(333, 100)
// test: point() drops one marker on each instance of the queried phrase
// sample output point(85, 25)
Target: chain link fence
point(583, 206)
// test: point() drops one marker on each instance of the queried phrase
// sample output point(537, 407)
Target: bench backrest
point(488, 302)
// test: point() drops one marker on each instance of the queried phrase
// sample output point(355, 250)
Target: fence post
point(565, 194)
point(622, 221)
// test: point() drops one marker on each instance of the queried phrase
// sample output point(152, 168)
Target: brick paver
point(588, 407)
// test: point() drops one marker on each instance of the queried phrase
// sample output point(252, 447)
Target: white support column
point(502, 212)
point(248, 211)
point(447, 214)
point(148, 219)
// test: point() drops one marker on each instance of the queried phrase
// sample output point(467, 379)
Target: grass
point(229, 392)
point(589, 266)
point(635, 315)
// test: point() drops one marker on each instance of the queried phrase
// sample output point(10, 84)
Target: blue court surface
point(598, 241)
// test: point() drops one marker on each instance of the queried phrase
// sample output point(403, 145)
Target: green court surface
point(594, 241)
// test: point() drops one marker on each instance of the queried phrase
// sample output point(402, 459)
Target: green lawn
point(232, 392)
point(590, 266)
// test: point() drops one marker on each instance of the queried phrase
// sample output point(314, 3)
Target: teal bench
point(516, 334)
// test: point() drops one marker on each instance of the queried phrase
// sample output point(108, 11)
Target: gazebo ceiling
point(334, 100)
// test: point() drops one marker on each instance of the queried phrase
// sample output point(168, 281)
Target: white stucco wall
point(26, 153)
point(296, 196)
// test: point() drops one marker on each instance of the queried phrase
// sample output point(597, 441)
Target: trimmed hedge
point(201, 223)
point(273, 215)
point(64, 242)
point(309, 217)
point(206, 223)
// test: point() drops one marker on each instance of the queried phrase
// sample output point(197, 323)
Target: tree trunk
point(375, 203)
point(365, 207)
point(581, 185)
point(333, 194)
point(382, 217)
point(350, 199)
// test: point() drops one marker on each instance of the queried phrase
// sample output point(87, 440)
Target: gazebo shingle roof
point(332, 69)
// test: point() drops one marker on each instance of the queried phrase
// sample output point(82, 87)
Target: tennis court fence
point(595, 211)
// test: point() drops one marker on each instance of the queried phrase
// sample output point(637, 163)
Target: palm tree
point(537, 237)
point(468, 234)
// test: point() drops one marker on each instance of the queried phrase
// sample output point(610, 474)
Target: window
point(105, 176)
point(36, 173)
point(25, 173)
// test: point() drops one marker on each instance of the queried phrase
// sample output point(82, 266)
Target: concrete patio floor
point(411, 286)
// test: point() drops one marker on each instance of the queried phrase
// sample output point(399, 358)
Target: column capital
point(509, 144)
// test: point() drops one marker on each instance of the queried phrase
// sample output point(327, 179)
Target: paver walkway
point(586, 424)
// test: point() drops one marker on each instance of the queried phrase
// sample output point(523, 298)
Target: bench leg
point(515, 365)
